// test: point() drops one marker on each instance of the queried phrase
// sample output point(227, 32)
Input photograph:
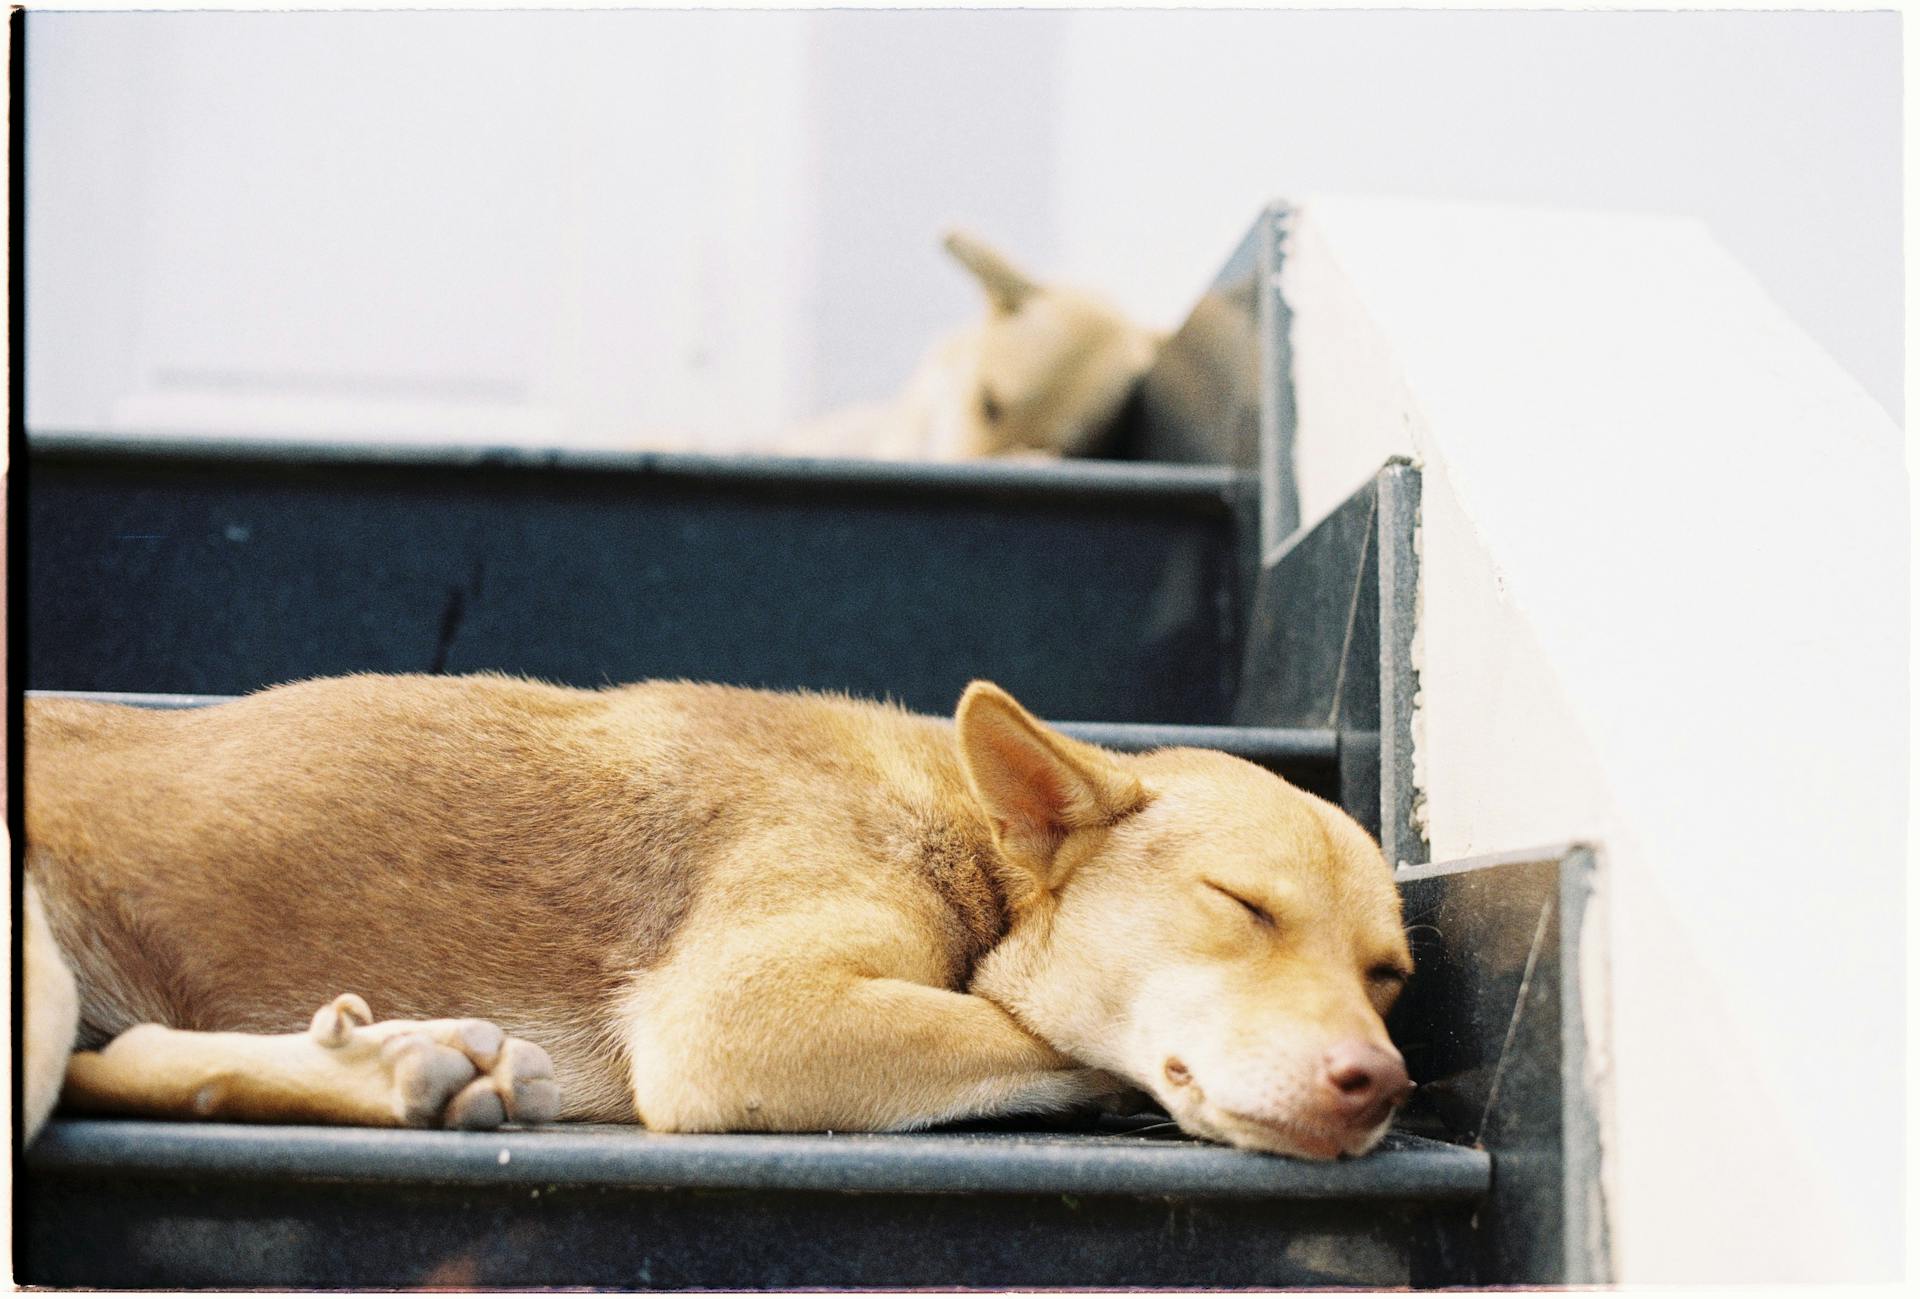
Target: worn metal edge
point(1279, 487)
point(1255, 743)
point(1548, 855)
point(133, 699)
point(1585, 1045)
point(1396, 517)
point(1215, 489)
point(1409, 1169)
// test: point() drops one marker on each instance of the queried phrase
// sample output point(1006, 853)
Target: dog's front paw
point(451, 1073)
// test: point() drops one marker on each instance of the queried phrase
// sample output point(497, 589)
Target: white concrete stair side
point(1664, 604)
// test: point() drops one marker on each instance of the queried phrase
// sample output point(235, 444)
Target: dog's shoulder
point(853, 793)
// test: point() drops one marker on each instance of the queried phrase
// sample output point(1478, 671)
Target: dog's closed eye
point(1260, 914)
point(990, 408)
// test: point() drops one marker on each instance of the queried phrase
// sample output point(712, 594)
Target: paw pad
point(454, 1073)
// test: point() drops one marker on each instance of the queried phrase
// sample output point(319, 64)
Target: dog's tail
point(1005, 284)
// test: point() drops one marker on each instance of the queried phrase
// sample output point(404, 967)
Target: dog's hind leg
point(51, 1004)
point(457, 1073)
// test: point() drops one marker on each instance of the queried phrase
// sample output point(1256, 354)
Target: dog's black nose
point(1364, 1079)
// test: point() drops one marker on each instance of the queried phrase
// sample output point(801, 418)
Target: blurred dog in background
point(1044, 374)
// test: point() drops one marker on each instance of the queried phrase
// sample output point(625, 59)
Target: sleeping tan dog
point(710, 908)
point(1045, 373)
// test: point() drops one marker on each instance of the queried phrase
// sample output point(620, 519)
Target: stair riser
point(1330, 643)
point(131, 1232)
point(1497, 1029)
point(1102, 596)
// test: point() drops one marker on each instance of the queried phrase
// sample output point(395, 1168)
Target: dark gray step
point(1330, 643)
point(1308, 756)
point(1089, 589)
point(121, 1202)
point(1498, 1026)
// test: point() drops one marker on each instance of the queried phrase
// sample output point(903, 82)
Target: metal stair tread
point(1209, 487)
point(1255, 743)
point(1404, 1169)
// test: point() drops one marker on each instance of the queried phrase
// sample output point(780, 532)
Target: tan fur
point(715, 908)
point(1045, 373)
point(51, 1006)
point(344, 1069)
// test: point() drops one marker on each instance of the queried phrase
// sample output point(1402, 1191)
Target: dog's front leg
point(461, 1073)
point(841, 1053)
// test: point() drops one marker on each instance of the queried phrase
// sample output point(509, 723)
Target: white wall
point(1663, 606)
point(1780, 130)
point(490, 226)
point(667, 226)
point(920, 121)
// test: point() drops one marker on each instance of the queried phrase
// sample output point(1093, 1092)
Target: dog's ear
point(1036, 785)
point(1006, 286)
